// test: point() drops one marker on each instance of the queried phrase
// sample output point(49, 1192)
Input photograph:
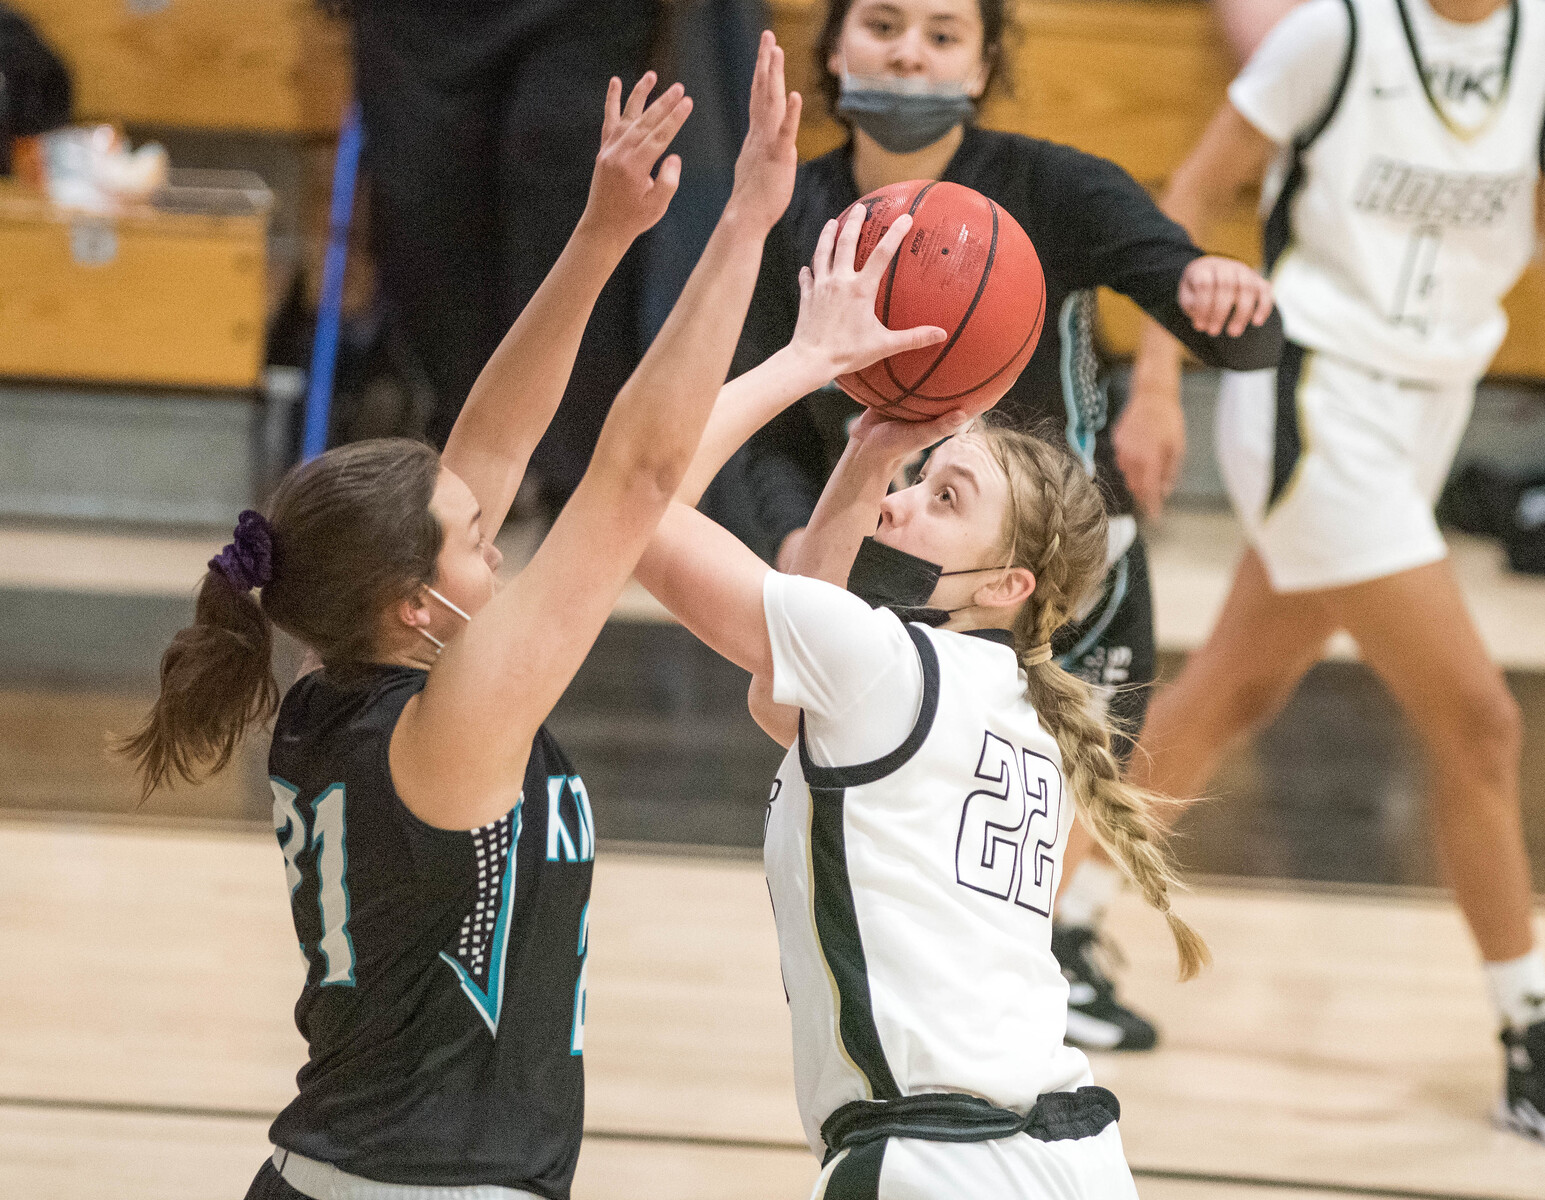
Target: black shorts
point(1113, 648)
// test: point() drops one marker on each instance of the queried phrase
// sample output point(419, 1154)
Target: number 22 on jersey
point(1008, 828)
point(325, 838)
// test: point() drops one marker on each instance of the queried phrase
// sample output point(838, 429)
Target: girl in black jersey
point(905, 75)
point(437, 843)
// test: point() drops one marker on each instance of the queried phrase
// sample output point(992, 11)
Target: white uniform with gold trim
point(1401, 217)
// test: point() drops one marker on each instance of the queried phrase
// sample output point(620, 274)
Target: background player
point(1092, 224)
point(1404, 144)
point(437, 841)
point(915, 830)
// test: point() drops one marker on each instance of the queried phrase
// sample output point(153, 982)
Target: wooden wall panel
point(146, 298)
point(276, 66)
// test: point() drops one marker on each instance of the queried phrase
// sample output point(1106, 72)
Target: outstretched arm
point(847, 513)
point(518, 390)
point(836, 332)
point(459, 752)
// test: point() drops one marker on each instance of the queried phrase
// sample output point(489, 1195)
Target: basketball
point(967, 267)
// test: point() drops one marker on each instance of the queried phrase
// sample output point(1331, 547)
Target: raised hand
point(1217, 291)
point(764, 172)
point(837, 326)
point(626, 196)
point(888, 439)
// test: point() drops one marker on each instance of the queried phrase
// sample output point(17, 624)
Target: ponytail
point(1122, 817)
point(352, 533)
point(216, 680)
point(1056, 528)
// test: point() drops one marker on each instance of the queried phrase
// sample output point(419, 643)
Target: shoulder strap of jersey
point(1307, 138)
point(834, 778)
point(1277, 231)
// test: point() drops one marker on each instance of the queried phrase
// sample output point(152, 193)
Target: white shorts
point(1015, 1168)
point(1334, 469)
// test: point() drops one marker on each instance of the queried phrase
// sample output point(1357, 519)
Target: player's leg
point(1237, 681)
point(1415, 632)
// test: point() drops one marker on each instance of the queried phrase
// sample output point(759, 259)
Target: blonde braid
point(1068, 527)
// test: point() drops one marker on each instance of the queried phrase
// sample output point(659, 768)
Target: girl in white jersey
point(1401, 144)
point(938, 753)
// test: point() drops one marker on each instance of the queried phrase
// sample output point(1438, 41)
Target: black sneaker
point(1095, 1020)
point(1523, 1104)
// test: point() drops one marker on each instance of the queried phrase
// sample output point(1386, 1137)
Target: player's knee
point(1487, 727)
point(1256, 699)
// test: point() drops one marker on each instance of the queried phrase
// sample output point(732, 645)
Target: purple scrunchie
point(248, 561)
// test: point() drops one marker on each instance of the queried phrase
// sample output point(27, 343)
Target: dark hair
point(997, 28)
point(352, 535)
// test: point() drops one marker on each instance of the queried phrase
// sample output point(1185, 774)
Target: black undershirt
point(1091, 223)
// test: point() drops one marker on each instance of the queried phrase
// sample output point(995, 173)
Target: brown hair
point(352, 535)
point(1056, 527)
point(998, 29)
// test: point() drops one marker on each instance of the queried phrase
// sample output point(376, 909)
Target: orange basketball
point(967, 267)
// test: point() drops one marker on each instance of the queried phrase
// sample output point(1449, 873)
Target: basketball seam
point(1039, 321)
point(908, 393)
point(885, 316)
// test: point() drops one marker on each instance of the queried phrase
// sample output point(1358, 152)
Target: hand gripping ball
point(967, 267)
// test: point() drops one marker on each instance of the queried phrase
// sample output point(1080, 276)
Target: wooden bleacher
point(1133, 80)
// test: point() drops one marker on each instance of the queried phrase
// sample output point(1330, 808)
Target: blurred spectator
point(482, 121)
point(34, 85)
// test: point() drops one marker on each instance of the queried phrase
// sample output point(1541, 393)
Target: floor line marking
point(129, 1108)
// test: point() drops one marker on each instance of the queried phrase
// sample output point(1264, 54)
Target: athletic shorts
point(1112, 645)
point(1334, 469)
point(1014, 1168)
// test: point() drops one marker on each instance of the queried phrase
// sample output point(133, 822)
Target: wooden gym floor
point(1342, 1046)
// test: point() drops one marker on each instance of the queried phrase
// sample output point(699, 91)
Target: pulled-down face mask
point(885, 577)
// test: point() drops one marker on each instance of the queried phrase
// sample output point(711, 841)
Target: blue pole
point(324, 345)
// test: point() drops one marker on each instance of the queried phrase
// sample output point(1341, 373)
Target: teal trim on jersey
point(294, 826)
point(324, 887)
point(1118, 593)
point(577, 1031)
point(561, 846)
point(489, 1002)
point(1080, 438)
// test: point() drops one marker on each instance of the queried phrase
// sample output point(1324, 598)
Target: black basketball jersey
point(444, 1002)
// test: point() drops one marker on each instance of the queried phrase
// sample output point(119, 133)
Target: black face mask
point(885, 577)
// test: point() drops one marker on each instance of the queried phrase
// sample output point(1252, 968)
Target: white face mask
point(438, 644)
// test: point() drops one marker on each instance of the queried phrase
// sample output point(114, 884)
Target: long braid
point(1058, 530)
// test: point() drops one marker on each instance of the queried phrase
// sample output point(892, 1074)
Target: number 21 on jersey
point(325, 838)
point(1008, 828)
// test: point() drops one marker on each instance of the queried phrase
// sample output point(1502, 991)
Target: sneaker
point(1095, 1020)
point(1522, 1109)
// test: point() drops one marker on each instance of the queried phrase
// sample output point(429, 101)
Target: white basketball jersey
point(913, 899)
point(1397, 232)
